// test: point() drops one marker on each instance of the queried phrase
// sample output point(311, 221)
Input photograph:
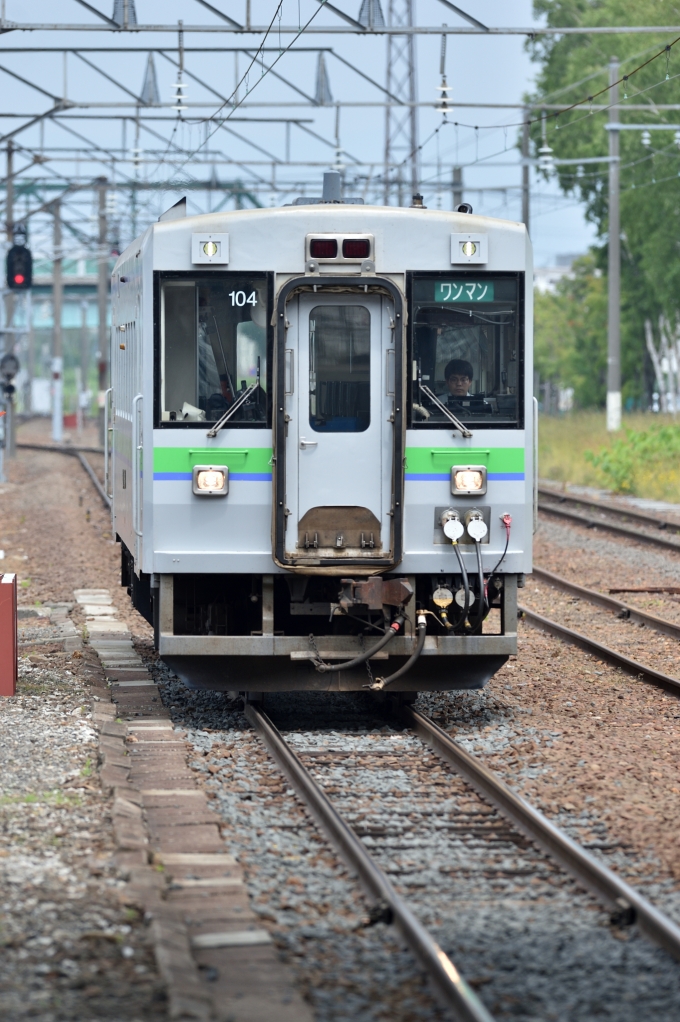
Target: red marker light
point(19, 278)
point(356, 248)
point(323, 248)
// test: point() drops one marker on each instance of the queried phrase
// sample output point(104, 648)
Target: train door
point(340, 445)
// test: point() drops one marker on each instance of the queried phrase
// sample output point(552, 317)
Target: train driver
point(458, 375)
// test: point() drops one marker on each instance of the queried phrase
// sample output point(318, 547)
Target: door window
point(214, 346)
point(339, 368)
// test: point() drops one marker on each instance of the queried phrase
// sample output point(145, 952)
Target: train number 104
point(239, 298)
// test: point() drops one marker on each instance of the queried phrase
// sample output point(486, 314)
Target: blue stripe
point(247, 477)
point(443, 477)
point(427, 477)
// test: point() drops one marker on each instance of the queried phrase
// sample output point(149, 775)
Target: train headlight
point(211, 480)
point(468, 248)
point(469, 480)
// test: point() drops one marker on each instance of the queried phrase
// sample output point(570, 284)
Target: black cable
point(482, 600)
point(380, 683)
point(466, 581)
point(507, 542)
point(363, 657)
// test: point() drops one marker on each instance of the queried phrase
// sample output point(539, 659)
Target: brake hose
point(390, 632)
point(380, 683)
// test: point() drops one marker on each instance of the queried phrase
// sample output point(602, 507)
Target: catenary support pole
point(457, 186)
point(84, 351)
point(28, 400)
point(57, 348)
point(102, 302)
point(10, 305)
point(614, 246)
point(525, 171)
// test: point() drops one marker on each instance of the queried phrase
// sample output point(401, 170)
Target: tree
point(574, 67)
point(570, 333)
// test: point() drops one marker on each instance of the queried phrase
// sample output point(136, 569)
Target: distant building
point(546, 278)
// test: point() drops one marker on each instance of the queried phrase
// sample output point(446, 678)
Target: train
point(320, 443)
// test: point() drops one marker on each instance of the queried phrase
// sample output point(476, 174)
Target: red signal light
point(323, 248)
point(356, 248)
point(19, 278)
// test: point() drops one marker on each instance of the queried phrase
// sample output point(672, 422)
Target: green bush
point(643, 462)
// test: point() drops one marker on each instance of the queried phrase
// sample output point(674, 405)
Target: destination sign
point(463, 291)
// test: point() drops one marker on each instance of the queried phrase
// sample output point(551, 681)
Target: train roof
point(273, 239)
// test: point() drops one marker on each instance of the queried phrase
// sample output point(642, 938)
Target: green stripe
point(440, 459)
point(238, 459)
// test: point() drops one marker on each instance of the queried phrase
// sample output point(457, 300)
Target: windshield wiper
point(442, 408)
point(241, 400)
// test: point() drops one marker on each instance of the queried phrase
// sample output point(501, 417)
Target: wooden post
point(8, 634)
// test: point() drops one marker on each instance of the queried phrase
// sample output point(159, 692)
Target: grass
point(56, 798)
point(564, 440)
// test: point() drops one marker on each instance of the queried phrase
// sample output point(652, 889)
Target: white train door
point(340, 428)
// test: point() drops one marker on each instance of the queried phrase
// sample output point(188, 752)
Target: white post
point(79, 401)
point(57, 399)
point(57, 358)
point(614, 247)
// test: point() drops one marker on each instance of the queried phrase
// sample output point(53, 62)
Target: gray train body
point(323, 336)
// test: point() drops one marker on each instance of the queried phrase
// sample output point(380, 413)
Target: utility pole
point(102, 302)
point(401, 122)
point(525, 170)
point(9, 337)
point(84, 357)
point(457, 186)
point(28, 400)
point(614, 248)
point(57, 347)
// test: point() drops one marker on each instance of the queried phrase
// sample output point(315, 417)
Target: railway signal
point(19, 267)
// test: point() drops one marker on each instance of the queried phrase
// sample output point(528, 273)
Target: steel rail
point(61, 448)
point(451, 987)
point(76, 452)
point(641, 617)
point(612, 656)
point(106, 500)
point(636, 514)
point(608, 526)
point(548, 507)
point(628, 904)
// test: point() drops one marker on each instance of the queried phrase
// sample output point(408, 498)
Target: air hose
point(390, 632)
point(380, 683)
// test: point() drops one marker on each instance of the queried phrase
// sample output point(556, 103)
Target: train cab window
point(339, 368)
point(466, 350)
point(213, 347)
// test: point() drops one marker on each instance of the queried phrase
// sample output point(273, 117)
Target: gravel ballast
point(594, 748)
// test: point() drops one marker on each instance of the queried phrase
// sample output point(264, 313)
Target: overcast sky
point(479, 69)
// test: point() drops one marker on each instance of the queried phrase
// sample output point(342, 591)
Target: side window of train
point(213, 346)
point(466, 349)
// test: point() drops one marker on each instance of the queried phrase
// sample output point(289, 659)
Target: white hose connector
point(476, 526)
point(453, 529)
point(452, 525)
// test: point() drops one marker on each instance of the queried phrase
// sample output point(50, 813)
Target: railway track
point(618, 607)
point(500, 832)
point(79, 453)
point(599, 649)
point(656, 530)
